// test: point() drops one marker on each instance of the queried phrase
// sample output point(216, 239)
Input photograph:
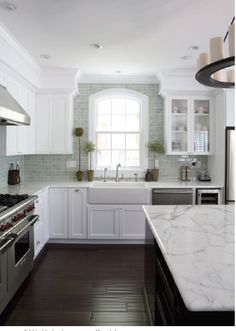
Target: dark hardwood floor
point(82, 285)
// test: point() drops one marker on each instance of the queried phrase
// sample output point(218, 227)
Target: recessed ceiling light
point(45, 56)
point(186, 57)
point(193, 48)
point(118, 71)
point(8, 5)
point(95, 45)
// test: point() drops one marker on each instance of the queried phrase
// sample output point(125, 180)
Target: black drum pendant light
point(211, 68)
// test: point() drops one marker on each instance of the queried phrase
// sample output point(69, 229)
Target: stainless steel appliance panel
point(3, 275)
point(230, 166)
point(173, 197)
point(209, 197)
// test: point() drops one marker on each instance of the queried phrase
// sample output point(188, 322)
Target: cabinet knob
point(77, 190)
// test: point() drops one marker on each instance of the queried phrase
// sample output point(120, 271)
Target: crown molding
point(21, 51)
point(116, 79)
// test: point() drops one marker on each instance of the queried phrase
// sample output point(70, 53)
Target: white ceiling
point(138, 36)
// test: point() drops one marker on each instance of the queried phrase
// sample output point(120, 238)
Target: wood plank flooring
point(82, 285)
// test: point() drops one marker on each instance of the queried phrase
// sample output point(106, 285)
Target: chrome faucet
point(105, 175)
point(117, 172)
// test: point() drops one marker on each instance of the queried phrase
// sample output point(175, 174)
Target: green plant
point(89, 148)
point(79, 132)
point(156, 147)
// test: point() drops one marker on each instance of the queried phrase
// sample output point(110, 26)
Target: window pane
point(104, 122)
point(103, 158)
point(118, 141)
point(104, 141)
point(118, 106)
point(132, 158)
point(118, 157)
point(132, 107)
point(132, 122)
point(132, 141)
point(104, 107)
point(118, 122)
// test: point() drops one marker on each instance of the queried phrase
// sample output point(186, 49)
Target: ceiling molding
point(21, 51)
point(116, 79)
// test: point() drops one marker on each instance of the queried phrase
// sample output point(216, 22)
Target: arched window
point(119, 127)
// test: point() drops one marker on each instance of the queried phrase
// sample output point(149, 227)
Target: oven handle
point(7, 244)
point(32, 221)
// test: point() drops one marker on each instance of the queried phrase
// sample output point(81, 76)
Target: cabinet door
point(77, 213)
point(178, 125)
point(202, 126)
point(43, 124)
point(58, 213)
point(31, 129)
point(230, 108)
point(103, 222)
point(22, 129)
point(132, 222)
point(44, 196)
point(60, 134)
point(38, 238)
point(11, 131)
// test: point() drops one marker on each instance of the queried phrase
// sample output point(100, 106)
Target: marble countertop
point(36, 187)
point(197, 243)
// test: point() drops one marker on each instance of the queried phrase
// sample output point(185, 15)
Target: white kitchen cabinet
point(230, 108)
point(10, 147)
point(103, 222)
point(116, 222)
point(58, 201)
point(189, 127)
point(19, 140)
point(41, 228)
point(43, 124)
point(77, 213)
point(53, 124)
point(132, 222)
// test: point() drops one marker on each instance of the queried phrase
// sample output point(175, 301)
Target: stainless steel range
point(16, 243)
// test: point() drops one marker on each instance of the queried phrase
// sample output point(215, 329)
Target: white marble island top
point(197, 243)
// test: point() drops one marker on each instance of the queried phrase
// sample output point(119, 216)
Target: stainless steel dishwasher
point(173, 196)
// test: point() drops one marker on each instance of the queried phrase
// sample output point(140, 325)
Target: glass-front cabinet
point(188, 125)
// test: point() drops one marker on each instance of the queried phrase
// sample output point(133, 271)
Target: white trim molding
point(118, 92)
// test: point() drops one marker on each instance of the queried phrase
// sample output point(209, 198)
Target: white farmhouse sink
point(118, 184)
point(118, 193)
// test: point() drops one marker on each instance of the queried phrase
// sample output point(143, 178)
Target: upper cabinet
point(188, 125)
point(53, 124)
point(19, 140)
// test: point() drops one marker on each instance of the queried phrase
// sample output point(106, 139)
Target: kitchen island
point(189, 264)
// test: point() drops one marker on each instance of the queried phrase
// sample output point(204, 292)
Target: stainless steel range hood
point(11, 113)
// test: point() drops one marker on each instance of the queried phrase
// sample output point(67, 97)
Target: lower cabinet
point(58, 213)
point(77, 213)
point(132, 222)
point(103, 222)
point(41, 228)
point(116, 222)
point(68, 213)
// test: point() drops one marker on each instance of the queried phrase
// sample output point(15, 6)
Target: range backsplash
point(53, 167)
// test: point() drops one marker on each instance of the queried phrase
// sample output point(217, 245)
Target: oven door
point(3, 276)
point(21, 254)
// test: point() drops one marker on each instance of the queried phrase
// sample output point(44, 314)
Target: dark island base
point(165, 305)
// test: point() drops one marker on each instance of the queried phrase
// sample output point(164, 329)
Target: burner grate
point(9, 200)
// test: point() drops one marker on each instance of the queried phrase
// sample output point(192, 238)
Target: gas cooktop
point(8, 200)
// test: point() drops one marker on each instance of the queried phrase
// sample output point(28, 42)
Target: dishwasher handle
point(171, 191)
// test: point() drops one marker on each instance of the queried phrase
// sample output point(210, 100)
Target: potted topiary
point(89, 148)
point(155, 147)
point(79, 174)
